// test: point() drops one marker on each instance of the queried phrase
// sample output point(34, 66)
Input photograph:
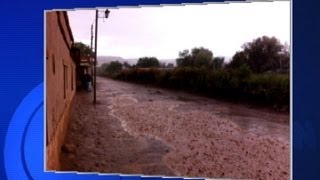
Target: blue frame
point(21, 91)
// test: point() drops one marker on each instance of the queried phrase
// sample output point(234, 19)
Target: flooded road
point(136, 129)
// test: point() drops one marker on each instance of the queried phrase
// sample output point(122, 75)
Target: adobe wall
point(60, 85)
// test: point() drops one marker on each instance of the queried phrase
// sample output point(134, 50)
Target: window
point(65, 78)
point(53, 64)
point(72, 80)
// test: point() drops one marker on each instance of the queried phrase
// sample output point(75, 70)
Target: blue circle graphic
point(30, 109)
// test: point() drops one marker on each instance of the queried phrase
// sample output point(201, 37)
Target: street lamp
point(106, 15)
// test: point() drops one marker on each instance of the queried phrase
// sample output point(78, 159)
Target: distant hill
point(108, 59)
point(168, 61)
point(227, 59)
point(132, 61)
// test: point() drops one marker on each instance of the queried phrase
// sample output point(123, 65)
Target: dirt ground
point(136, 129)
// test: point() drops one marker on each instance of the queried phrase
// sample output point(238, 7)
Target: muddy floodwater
point(136, 129)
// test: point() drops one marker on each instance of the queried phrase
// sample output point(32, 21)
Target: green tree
point(126, 65)
point(85, 50)
point(170, 65)
point(202, 57)
point(238, 60)
point(217, 63)
point(112, 68)
point(148, 62)
point(198, 57)
point(261, 55)
point(284, 58)
point(184, 59)
point(102, 69)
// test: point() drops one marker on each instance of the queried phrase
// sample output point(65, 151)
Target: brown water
point(137, 129)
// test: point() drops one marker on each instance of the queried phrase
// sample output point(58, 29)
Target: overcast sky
point(164, 31)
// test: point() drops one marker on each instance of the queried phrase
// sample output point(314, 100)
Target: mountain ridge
point(131, 61)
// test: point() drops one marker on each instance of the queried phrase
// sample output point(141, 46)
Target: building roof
point(62, 29)
point(65, 14)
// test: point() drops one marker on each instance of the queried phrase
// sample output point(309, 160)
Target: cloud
point(164, 31)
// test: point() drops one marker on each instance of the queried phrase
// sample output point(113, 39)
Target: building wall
point(60, 84)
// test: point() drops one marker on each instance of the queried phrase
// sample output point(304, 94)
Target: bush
point(110, 69)
point(238, 84)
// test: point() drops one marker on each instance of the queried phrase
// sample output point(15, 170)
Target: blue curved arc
point(14, 166)
point(22, 147)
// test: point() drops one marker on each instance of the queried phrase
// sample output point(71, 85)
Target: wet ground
point(136, 129)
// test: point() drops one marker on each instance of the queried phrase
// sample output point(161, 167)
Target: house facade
point(83, 66)
point(60, 83)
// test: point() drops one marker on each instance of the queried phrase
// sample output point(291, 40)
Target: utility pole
point(91, 37)
point(91, 47)
point(106, 13)
point(95, 61)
